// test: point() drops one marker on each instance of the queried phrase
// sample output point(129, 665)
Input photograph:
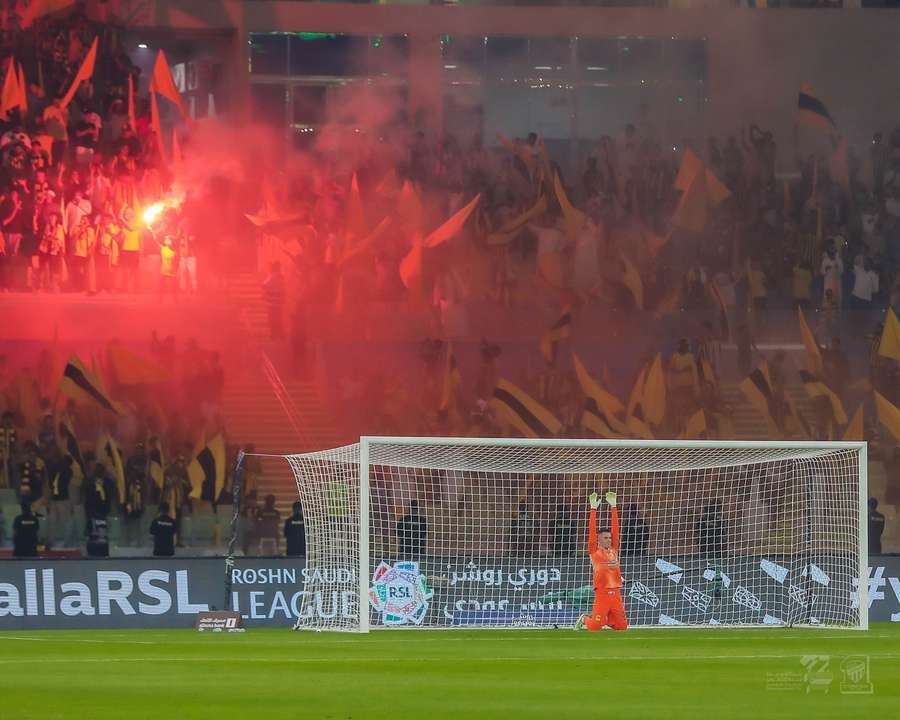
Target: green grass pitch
point(429, 675)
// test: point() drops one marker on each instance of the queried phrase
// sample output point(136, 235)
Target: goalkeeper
point(603, 549)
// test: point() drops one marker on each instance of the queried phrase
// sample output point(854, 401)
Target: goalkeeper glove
point(594, 500)
point(611, 498)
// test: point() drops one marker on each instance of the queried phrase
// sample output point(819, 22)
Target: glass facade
point(569, 89)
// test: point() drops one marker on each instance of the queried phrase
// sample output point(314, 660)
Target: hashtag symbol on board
point(874, 582)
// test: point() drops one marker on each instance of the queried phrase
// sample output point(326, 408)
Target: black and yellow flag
point(635, 419)
point(110, 455)
point(562, 328)
point(207, 469)
point(757, 388)
point(70, 442)
point(813, 354)
point(889, 346)
point(603, 404)
point(598, 422)
point(888, 415)
point(812, 111)
point(79, 383)
point(452, 380)
point(721, 308)
point(817, 388)
point(523, 412)
point(156, 467)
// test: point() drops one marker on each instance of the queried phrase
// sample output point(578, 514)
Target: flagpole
point(235, 519)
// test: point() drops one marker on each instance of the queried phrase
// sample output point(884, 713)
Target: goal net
point(480, 533)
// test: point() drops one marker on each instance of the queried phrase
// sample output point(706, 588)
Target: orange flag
point(687, 171)
point(692, 210)
point(176, 148)
point(155, 124)
point(132, 117)
point(85, 72)
point(163, 83)
point(409, 207)
point(839, 166)
point(10, 96)
point(411, 265)
point(356, 216)
point(23, 89)
point(451, 228)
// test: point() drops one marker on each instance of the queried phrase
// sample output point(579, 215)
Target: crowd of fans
point(821, 232)
point(75, 176)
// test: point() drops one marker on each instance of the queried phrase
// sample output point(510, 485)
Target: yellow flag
point(631, 279)
point(696, 428)
point(813, 354)
point(888, 415)
point(890, 337)
point(855, 429)
point(573, 217)
point(508, 230)
point(451, 228)
point(654, 396)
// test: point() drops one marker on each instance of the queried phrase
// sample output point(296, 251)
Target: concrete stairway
point(255, 416)
point(245, 294)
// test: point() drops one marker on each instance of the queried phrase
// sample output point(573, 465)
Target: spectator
point(412, 530)
point(563, 531)
point(865, 284)
point(162, 529)
point(711, 532)
point(61, 521)
point(876, 527)
point(268, 520)
point(295, 532)
point(25, 532)
point(136, 495)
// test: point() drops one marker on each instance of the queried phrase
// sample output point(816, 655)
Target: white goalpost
point(406, 532)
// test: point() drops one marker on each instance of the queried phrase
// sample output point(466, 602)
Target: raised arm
point(594, 500)
point(613, 519)
point(614, 526)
